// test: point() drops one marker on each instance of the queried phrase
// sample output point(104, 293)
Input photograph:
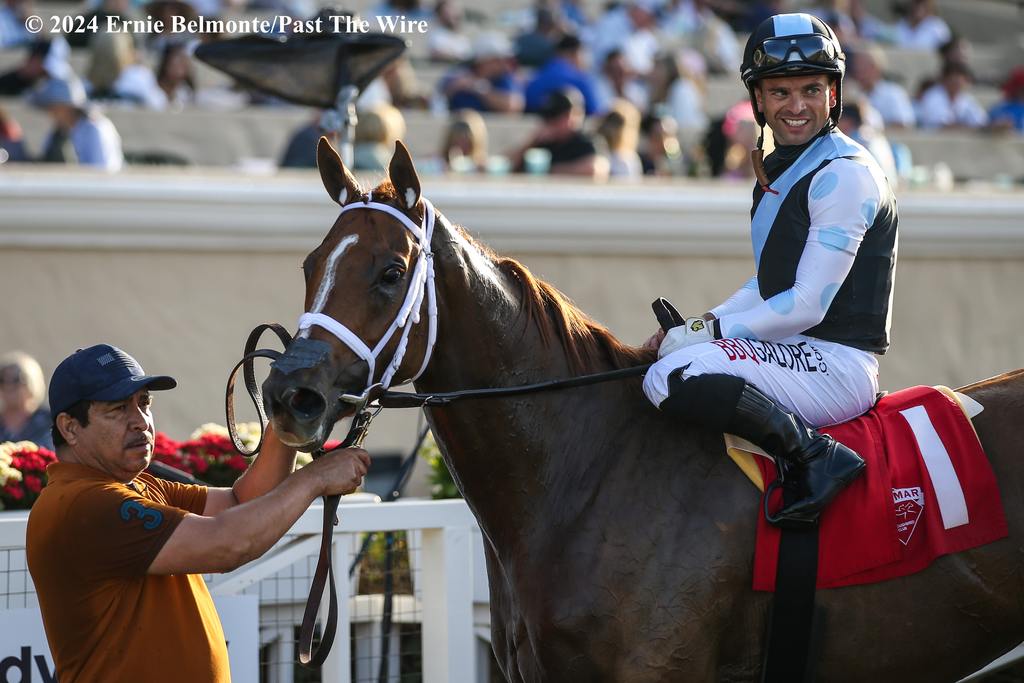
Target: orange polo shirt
point(90, 542)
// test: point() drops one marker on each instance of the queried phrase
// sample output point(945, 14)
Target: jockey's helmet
point(793, 45)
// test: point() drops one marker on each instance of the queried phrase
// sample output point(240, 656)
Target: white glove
point(693, 331)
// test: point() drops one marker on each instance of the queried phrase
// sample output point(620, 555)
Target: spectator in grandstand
point(567, 69)
point(45, 58)
point(117, 555)
point(618, 80)
point(836, 13)
point(12, 145)
point(757, 11)
point(102, 12)
point(855, 122)
point(574, 16)
point(535, 47)
point(115, 73)
point(13, 14)
point(23, 414)
point(571, 150)
point(412, 9)
point(920, 28)
point(695, 23)
point(956, 50)
point(890, 99)
point(948, 103)
point(300, 152)
point(175, 75)
point(446, 42)
point(488, 83)
point(630, 27)
point(619, 128)
point(660, 151)
point(404, 87)
point(729, 141)
point(869, 27)
point(1008, 113)
point(376, 133)
point(81, 134)
point(677, 85)
point(464, 149)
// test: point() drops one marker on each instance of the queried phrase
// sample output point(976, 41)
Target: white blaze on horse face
point(327, 282)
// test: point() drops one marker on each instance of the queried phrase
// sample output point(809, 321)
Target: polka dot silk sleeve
point(842, 201)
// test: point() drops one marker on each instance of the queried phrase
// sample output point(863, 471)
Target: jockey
point(794, 348)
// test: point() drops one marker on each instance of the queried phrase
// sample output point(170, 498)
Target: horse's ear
point(341, 185)
point(403, 176)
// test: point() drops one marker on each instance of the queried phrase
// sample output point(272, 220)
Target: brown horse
point(619, 544)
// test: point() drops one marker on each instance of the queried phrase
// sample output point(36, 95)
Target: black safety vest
point(859, 313)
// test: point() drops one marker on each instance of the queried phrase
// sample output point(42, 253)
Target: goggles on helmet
point(812, 49)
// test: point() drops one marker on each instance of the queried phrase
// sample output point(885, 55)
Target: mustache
point(141, 440)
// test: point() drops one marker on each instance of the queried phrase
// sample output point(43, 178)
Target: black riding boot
point(819, 466)
point(816, 465)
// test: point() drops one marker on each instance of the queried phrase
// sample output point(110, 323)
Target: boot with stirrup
point(818, 465)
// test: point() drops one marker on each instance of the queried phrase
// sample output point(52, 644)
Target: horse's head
point(367, 285)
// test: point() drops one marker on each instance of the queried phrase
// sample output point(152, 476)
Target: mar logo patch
point(151, 518)
point(909, 504)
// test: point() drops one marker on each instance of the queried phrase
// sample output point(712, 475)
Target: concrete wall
point(178, 268)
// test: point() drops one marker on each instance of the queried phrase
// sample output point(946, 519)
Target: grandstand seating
point(229, 138)
point(214, 138)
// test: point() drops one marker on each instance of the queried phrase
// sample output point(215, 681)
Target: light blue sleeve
point(744, 298)
point(842, 202)
point(88, 143)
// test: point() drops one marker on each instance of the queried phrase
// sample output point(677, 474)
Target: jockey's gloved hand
point(693, 331)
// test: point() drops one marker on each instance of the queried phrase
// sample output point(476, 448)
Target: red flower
point(237, 462)
point(33, 483)
point(14, 491)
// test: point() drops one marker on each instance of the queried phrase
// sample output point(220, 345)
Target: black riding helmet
point(793, 45)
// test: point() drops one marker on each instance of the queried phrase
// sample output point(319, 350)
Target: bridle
point(421, 286)
point(374, 397)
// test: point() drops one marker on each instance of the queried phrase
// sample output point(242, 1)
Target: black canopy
point(304, 69)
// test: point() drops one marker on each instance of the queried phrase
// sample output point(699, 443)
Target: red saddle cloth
point(928, 490)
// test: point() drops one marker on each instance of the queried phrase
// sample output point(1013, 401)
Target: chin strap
point(757, 159)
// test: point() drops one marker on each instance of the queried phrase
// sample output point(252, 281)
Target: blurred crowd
point(622, 93)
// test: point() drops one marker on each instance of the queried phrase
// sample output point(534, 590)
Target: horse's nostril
point(304, 404)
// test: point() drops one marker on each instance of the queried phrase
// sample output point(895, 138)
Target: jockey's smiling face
point(795, 107)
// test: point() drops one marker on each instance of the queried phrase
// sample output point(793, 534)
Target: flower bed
point(22, 473)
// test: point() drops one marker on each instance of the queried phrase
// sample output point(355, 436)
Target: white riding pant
point(823, 382)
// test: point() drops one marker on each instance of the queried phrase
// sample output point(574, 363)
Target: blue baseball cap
point(100, 373)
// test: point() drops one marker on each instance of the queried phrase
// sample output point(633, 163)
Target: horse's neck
point(507, 455)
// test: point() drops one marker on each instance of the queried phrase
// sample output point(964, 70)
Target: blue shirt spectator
point(94, 140)
point(564, 70)
point(488, 82)
point(1009, 113)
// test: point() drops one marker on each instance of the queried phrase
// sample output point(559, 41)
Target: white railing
point(449, 598)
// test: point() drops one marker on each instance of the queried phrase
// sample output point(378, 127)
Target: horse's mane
point(589, 346)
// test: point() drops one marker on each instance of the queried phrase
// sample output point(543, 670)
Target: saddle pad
point(928, 490)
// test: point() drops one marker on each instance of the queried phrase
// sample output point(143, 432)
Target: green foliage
point(441, 483)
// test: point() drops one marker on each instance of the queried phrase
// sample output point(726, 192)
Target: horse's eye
point(391, 275)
